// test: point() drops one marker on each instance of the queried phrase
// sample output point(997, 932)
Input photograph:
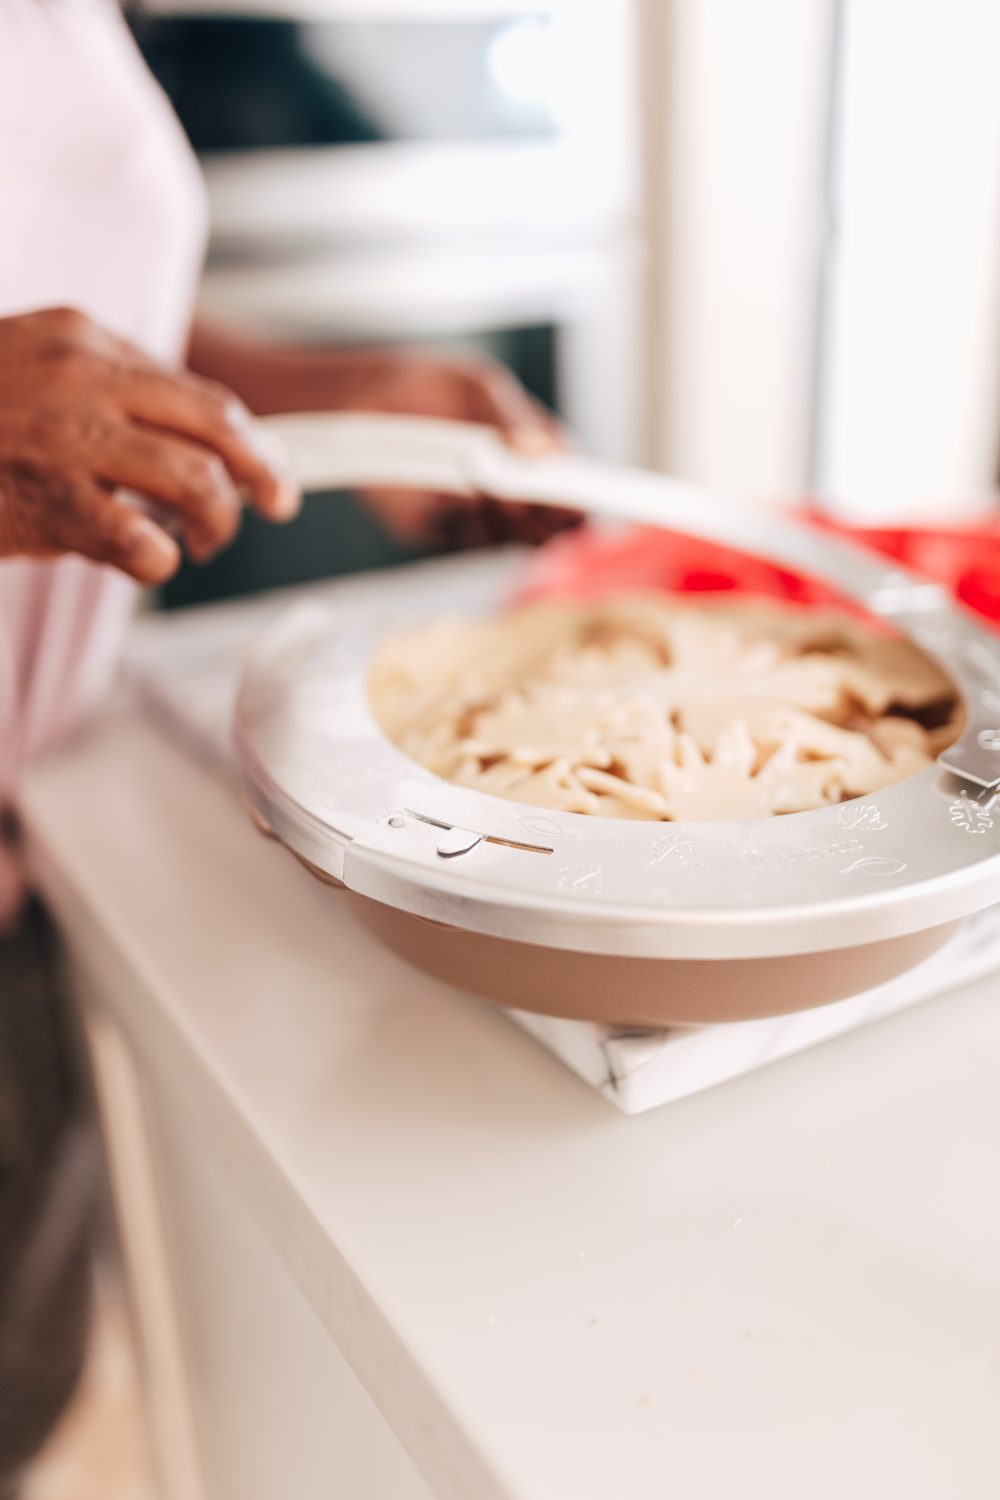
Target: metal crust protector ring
point(320, 774)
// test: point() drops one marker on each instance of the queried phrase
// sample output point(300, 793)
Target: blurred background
point(755, 245)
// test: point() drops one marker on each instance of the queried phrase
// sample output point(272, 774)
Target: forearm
point(276, 378)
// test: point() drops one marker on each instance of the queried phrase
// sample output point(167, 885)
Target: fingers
point(190, 479)
point(495, 396)
point(211, 415)
point(487, 522)
point(448, 524)
point(408, 515)
point(535, 524)
point(477, 392)
point(500, 399)
point(91, 522)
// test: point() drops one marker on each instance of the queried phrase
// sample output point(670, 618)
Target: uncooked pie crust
point(645, 706)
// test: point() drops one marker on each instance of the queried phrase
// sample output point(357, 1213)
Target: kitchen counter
point(383, 1245)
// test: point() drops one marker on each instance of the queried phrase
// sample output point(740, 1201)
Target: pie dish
point(630, 921)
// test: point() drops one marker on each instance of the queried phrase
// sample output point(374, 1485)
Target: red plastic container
point(586, 563)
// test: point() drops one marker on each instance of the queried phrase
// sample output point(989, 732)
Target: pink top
point(102, 209)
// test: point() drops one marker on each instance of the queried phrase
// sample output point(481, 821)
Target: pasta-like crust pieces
point(646, 706)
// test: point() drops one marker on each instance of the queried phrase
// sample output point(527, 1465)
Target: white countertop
point(786, 1287)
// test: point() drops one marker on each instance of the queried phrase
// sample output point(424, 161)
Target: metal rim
point(322, 775)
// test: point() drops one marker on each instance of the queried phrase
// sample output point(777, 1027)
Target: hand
point(467, 390)
point(418, 384)
point(83, 413)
